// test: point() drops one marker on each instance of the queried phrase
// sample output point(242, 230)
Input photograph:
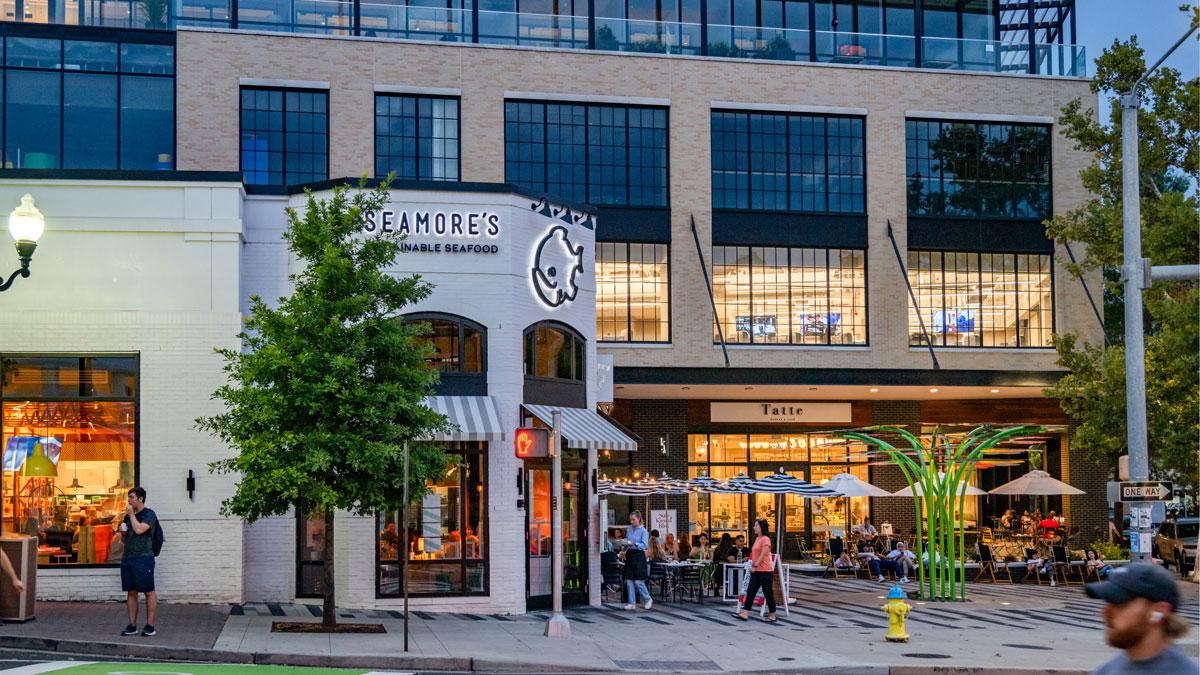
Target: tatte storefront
point(114, 348)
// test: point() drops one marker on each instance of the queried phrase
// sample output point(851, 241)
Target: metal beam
point(711, 298)
point(913, 296)
point(1175, 273)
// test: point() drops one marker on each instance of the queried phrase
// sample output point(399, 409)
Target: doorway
point(796, 524)
point(539, 545)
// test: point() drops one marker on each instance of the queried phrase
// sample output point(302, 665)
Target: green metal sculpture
point(937, 471)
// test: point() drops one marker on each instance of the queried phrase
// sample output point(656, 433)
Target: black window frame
point(64, 34)
point(417, 98)
point(461, 382)
point(912, 155)
point(284, 152)
point(574, 338)
point(136, 399)
point(628, 314)
point(590, 185)
point(792, 173)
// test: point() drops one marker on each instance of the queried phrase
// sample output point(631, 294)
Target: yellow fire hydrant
point(896, 610)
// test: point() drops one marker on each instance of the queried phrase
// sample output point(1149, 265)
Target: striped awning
point(472, 418)
point(585, 429)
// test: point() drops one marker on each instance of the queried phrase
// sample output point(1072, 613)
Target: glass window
point(310, 556)
point(28, 52)
point(601, 154)
point(32, 119)
point(90, 56)
point(458, 345)
point(788, 162)
point(768, 295)
point(148, 59)
point(147, 122)
point(89, 121)
point(978, 169)
point(446, 532)
point(632, 292)
point(285, 136)
point(554, 351)
point(69, 457)
point(981, 299)
point(416, 137)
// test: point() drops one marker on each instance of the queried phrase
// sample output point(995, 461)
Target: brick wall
point(1088, 512)
point(898, 511)
point(656, 422)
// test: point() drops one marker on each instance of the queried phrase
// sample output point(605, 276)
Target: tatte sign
point(1145, 491)
point(781, 412)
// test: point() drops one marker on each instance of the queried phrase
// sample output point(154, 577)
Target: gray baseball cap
point(1136, 581)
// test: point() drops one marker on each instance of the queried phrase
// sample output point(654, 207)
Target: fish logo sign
point(556, 264)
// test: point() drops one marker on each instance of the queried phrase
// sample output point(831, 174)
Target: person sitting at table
point(844, 562)
point(671, 547)
point(866, 556)
point(702, 552)
point(724, 546)
point(740, 551)
point(1095, 561)
point(901, 560)
point(654, 550)
point(866, 530)
point(685, 549)
point(1009, 519)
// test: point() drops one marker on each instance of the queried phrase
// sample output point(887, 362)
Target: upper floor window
point(458, 344)
point(285, 136)
point(978, 169)
point(600, 154)
point(555, 351)
point(798, 296)
point(416, 137)
point(981, 299)
point(788, 162)
point(84, 104)
point(633, 296)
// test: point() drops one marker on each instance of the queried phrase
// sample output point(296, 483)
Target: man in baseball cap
point(1140, 619)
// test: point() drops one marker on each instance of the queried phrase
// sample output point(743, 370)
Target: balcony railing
point(387, 20)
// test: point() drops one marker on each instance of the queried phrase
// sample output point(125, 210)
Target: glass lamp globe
point(26, 222)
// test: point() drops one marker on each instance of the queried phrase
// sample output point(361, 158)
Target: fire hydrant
point(896, 610)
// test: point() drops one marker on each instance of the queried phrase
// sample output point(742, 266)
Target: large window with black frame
point(600, 154)
point(88, 104)
point(969, 299)
point(767, 161)
point(416, 137)
point(978, 169)
point(284, 136)
point(445, 540)
point(632, 292)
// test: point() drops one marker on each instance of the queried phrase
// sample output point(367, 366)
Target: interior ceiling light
point(995, 391)
point(874, 390)
point(934, 390)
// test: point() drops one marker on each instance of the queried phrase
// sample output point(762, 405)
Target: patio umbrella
point(734, 486)
point(849, 485)
point(780, 484)
point(703, 483)
point(963, 488)
point(1037, 483)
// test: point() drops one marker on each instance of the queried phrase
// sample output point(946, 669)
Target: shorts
point(137, 574)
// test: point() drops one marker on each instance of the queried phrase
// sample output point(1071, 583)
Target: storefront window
point(310, 556)
point(981, 299)
point(632, 292)
point(554, 351)
point(70, 453)
point(796, 296)
point(446, 536)
point(458, 345)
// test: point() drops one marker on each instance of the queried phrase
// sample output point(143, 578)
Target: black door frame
point(540, 602)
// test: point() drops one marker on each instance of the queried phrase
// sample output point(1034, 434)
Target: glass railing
point(390, 19)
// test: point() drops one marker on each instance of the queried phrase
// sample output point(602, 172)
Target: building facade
point(808, 216)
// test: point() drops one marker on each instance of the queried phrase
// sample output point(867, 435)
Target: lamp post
point(26, 225)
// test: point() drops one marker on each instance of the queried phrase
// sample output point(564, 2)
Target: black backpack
point(156, 538)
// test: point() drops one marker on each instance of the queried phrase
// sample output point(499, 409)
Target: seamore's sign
point(781, 412)
point(450, 231)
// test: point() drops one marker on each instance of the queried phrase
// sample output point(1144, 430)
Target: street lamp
point(26, 225)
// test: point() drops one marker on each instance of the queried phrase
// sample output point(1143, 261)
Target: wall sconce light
point(26, 225)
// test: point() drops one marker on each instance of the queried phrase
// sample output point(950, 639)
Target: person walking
point(761, 568)
point(137, 562)
point(1140, 620)
point(635, 563)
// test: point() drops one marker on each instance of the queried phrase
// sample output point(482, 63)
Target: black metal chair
point(610, 574)
point(988, 567)
point(1066, 568)
point(658, 578)
point(688, 582)
point(836, 547)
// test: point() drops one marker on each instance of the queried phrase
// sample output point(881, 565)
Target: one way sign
point(1146, 491)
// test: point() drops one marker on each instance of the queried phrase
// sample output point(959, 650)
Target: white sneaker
point(649, 603)
point(904, 580)
point(1053, 582)
point(630, 607)
point(881, 578)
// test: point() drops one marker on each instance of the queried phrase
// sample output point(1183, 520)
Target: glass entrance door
point(539, 544)
point(795, 513)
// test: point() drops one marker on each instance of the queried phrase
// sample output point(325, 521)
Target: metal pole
point(557, 626)
point(404, 534)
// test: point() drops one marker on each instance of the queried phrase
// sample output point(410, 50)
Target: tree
point(329, 386)
point(1093, 392)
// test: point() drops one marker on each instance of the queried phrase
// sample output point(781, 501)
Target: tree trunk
point(328, 610)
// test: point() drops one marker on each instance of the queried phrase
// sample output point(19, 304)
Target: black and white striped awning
point(781, 483)
point(473, 418)
point(584, 429)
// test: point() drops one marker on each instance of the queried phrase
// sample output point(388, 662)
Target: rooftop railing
point(397, 21)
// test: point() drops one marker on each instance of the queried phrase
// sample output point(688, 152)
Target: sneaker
point(649, 603)
point(880, 580)
point(904, 580)
point(149, 631)
point(630, 607)
point(1053, 582)
point(129, 630)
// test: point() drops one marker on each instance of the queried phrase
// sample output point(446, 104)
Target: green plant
point(778, 49)
point(1110, 551)
point(723, 49)
point(606, 40)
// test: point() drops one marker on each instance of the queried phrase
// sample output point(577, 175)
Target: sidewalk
point(834, 625)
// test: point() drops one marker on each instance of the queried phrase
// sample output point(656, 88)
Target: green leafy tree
point(1093, 393)
point(329, 386)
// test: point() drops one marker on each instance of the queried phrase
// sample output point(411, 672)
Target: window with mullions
point(600, 154)
point(416, 137)
point(554, 351)
point(978, 169)
point(632, 292)
point(798, 296)
point(788, 162)
point(285, 136)
point(76, 104)
point(981, 299)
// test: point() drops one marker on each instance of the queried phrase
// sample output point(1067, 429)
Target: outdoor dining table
point(671, 571)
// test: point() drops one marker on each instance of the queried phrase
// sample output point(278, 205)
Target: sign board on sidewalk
point(664, 522)
point(1145, 491)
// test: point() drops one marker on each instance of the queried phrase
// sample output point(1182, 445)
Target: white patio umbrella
point(849, 485)
point(1037, 483)
point(963, 488)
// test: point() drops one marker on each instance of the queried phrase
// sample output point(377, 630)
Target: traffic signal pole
point(557, 626)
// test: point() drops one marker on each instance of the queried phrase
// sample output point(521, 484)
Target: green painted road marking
point(198, 669)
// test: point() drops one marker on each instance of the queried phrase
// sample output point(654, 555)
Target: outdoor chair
point(835, 549)
point(985, 536)
point(689, 582)
point(1066, 568)
point(988, 568)
point(610, 574)
point(1034, 571)
point(658, 578)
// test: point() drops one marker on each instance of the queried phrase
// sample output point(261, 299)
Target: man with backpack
point(143, 540)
